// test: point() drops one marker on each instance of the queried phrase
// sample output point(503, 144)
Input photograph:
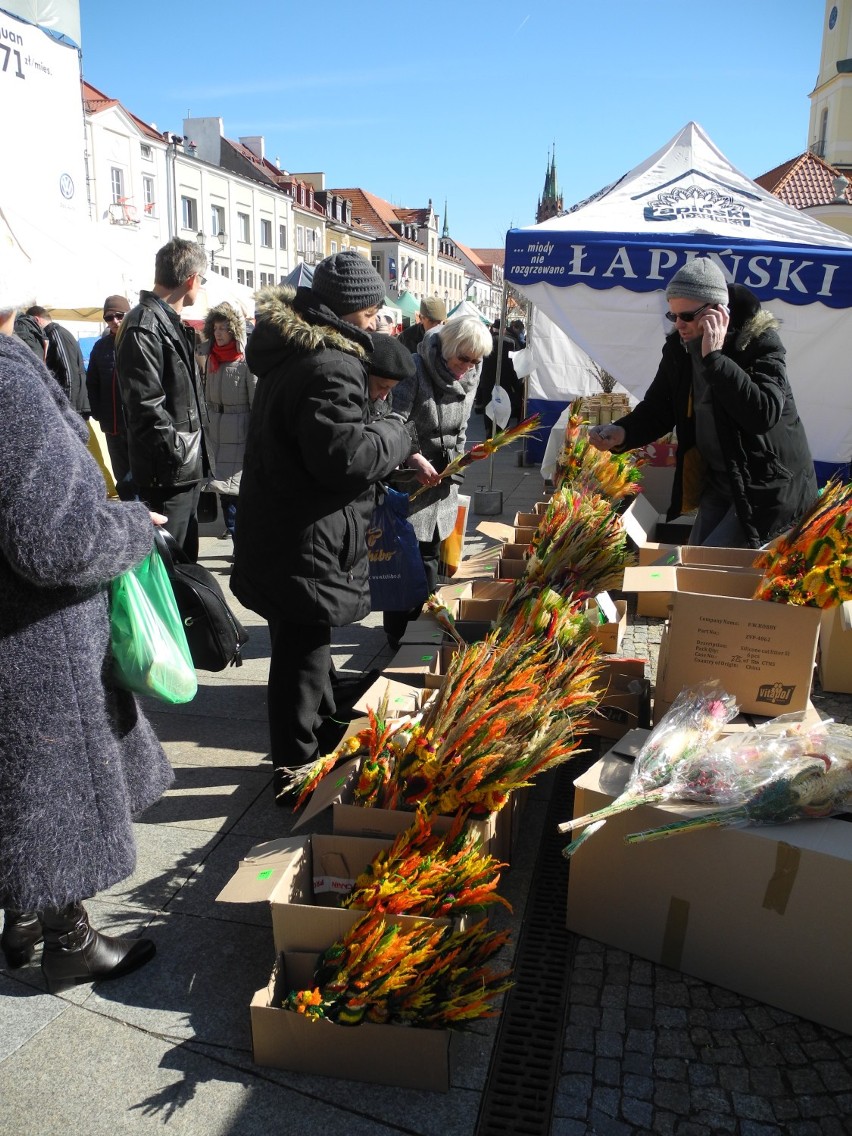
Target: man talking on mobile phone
point(743, 458)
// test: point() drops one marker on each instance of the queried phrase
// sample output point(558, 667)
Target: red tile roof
point(378, 216)
point(95, 101)
point(803, 182)
point(491, 256)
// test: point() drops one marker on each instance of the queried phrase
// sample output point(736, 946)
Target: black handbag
point(208, 508)
point(215, 635)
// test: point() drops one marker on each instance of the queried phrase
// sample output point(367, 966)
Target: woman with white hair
point(437, 400)
point(77, 756)
point(229, 392)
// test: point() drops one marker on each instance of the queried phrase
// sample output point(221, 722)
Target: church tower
point(830, 127)
point(550, 202)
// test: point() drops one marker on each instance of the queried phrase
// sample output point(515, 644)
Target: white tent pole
point(504, 309)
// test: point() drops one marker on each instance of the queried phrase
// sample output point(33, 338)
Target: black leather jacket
point(163, 407)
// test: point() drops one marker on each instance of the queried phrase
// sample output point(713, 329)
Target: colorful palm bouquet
point(692, 722)
point(485, 449)
point(509, 708)
point(428, 873)
point(811, 563)
point(588, 470)
point(774, 781)
point(422, 975)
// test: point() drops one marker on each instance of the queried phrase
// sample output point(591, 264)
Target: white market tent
point(600, 271)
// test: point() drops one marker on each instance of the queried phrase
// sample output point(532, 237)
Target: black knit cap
point(389, 359)
point(346, 282)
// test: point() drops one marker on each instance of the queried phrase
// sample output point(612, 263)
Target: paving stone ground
point(645, 1050)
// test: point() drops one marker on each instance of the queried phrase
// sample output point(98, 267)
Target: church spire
point(550, 203)
point(446, 230)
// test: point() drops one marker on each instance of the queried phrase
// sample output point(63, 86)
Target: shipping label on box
point(745, 908)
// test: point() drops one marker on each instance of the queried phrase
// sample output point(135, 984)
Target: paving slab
point(25, 1013)
point(197, 739)
point(211, 798)
point(166, 857)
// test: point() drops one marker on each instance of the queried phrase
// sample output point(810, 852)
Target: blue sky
point(463, 100)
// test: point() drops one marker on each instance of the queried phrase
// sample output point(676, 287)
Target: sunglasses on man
point(110, 316)
point(687, 317)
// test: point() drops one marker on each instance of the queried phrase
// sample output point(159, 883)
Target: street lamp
point(221, 237)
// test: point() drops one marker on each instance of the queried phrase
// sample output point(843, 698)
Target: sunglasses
point(202, 280)
point(110, 316)
point(467, 359)
point(687, 317)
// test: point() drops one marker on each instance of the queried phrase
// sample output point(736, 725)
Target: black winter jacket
point(65, 362)
point(158, 380)
point(311, 461)
point(763, 441)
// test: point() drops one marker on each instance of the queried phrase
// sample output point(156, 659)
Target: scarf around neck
point(230, 353)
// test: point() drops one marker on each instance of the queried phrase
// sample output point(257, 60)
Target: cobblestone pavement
point(650, 1050)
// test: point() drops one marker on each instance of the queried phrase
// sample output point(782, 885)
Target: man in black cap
point(389, 364)
point(743, 457)
point(104, 396)
point(306, 495)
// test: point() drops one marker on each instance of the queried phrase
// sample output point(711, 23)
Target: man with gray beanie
point(743, 458)
point(306, 495)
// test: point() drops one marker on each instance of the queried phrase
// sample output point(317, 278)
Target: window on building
point(300, 239)
point(146, 151)
point(217, 219)
point(189, 213)
point(116, 175)
point(241, 276)
point(225, 271)
point(265, 233)
point(249, 278)
point(432, 275)
point(244, 228)
point(333, 247)
point(282, 237)
point(149, 195)
point(376, 261)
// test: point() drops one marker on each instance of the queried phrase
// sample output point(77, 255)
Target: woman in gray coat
point(229, 391)
point(437, 400)
point(77, 757)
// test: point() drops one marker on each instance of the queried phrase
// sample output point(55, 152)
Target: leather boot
point(75, 952)
point(21, 935)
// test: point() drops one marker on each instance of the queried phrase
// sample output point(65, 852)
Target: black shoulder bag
point(215, 635)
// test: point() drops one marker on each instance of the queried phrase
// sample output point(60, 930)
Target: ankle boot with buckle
point(21, 935)
point(75, 952)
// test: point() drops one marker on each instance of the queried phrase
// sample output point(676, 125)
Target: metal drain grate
point(525, 1064)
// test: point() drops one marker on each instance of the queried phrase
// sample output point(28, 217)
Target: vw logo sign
point(66, 186)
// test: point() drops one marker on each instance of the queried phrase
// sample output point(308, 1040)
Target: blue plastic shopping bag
point(397, 575)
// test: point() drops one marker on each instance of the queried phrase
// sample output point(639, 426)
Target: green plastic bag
point(150, 652)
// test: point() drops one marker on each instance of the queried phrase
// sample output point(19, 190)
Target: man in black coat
point(105, 398)
point(743, 457)
point(306, 496)
point(64, 359)
point(159, 384)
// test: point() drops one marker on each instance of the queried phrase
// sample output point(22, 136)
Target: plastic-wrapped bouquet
point(692, 722)
point(793, 778)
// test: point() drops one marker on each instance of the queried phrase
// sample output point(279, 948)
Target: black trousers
point(395, 622)
point(299, 690)
point(180, 506)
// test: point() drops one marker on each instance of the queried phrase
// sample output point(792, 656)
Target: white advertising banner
point(43, 173)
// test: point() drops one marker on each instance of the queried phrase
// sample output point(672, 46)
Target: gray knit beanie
point(699, 279)
point(346, 282)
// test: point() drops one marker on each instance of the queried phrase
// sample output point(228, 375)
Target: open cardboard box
point(609, 633)
point(758, 910)
point(403, 1056)
point(763, 653)
point(626, 702)
point(643, 525)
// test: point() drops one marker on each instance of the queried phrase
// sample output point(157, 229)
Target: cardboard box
point(758, 910)
point(403, 699)
point(403, 1056)
point(608, 634)
point(762, 653)
point(510, 569)
point(641, 521)
point(526, 521)
point(626, 702)
point(422, 631)
point(835, 651)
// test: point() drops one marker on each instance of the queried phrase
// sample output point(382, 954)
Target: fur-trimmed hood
point(295, 320)
point(225, 313)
